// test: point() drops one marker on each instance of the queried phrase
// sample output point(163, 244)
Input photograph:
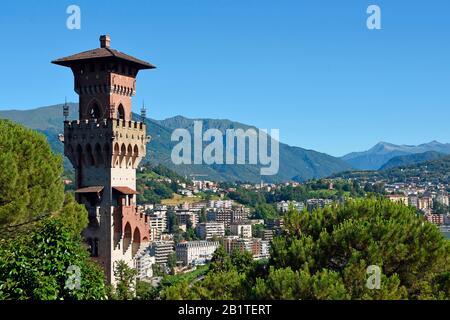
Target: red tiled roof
point(93, 189)
point(125, 190)
point(102, 53)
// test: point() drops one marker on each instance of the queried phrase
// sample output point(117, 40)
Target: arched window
point(121, 112)
point(116, 155)
point(123, 150)
point(94, 111)
point(126, 237)
point(136, 242)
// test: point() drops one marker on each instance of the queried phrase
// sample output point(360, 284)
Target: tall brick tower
point(105, 147)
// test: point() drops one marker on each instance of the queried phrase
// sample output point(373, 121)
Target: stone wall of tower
point(108, 85)
point(106, 154)
point(105, 148)
point(117, 146)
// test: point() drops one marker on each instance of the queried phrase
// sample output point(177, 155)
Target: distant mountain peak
point(434, 142)
point(383, 146)
point(382, 152)
point(177, 117)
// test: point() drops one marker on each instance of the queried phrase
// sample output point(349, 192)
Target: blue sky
point(308, 67)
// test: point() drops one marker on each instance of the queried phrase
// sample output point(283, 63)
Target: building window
point(94, 111)
point(120, 112)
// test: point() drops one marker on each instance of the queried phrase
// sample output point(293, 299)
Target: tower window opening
point(94, 112)
point(126, 237)
point(121, 112)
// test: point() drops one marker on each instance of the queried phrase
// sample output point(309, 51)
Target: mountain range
point(379, 155)
point(410, 159)
point(296, 163)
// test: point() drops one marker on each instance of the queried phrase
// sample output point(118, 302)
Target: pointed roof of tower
point(104, 52)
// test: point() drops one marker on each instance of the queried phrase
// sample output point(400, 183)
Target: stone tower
point(105, 147)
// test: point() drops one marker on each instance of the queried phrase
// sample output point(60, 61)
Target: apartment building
point(210, 230)
point(161, 250)
point(196, 252)
point(241, 229)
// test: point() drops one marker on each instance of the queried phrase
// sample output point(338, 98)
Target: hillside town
point(185, 235)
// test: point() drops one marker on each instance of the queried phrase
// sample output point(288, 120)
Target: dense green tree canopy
point(227, 279)
point(126, 284)
point(30, 183)
point(341, 242)
point(41, 254)
point(40, 265)
point(265, 211)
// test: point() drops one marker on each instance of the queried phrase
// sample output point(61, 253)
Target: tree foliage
point(227, 279)
point(265, 211)
point(73, 215)
point(125, 287)
point(342, 241)
point(326, 254)
point(30, 183)
point(145, 291)
point(40, 244)
point(36, 266)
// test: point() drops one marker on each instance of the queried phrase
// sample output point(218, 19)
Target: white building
point(210, 230)
point(196, 252)
point(186, 193)
point(283, 206)
point(144, 265)
point(242, 230)
point(221, 204)
point(157, 221)
point(442, 198)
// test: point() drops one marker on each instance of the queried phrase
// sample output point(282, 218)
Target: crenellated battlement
point(108, 142)
point(106, 123)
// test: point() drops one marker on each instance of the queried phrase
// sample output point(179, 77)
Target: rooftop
point(103, 53)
